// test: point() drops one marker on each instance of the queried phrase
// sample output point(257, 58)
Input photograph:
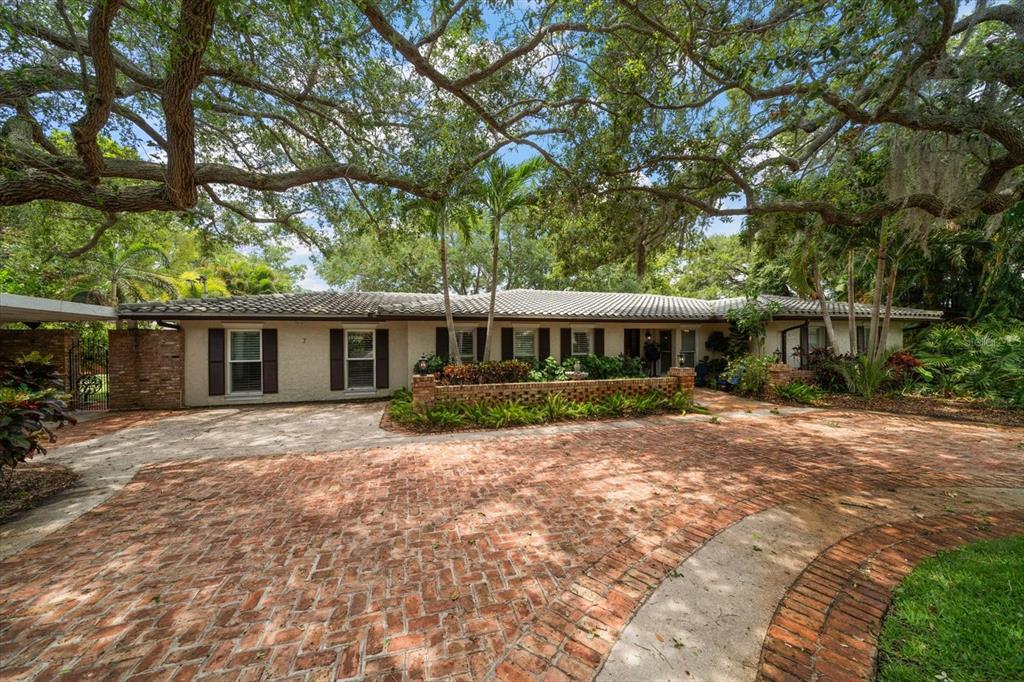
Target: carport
point(83, 365)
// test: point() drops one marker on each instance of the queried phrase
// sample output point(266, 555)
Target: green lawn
point(958, 616)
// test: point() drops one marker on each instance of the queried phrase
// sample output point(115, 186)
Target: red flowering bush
point(501, 372)
point(902, 366)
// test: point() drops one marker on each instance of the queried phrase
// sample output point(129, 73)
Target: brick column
point(424, 390)
point(684, 378)
point(55, 343)
point(146, 369)
point(778, 375)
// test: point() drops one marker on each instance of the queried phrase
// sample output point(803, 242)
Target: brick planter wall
point(426, 390)
point(780, 375)
point(146, 369)
point(53, 342)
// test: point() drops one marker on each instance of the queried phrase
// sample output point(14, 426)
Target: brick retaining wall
point(146, 369)
point(53, 342)
point(426, 390)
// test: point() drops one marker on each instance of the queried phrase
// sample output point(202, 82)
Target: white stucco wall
point(773, 336)
point(304, 352)
point(303, 356)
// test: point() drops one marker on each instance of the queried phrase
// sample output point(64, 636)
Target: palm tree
point(114, 275)
point(504, 190)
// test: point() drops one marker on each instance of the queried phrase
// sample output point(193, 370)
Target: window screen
point(581, 342)
point(244, 357)
point(524, 343)
point(467, 347)
point(360, 359)
point(689, 348)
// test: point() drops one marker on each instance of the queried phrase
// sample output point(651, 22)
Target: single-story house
point(336, 345)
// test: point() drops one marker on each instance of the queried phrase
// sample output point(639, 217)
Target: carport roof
point(18, 308)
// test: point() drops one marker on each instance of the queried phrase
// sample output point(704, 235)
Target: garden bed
point(31, 486)
point(445, 417)
point(959, 409)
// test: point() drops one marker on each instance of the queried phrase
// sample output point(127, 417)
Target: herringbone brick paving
point(827, 625)
point(518, 558)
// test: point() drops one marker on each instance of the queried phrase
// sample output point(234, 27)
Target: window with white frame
point(245, 360)
point(524, 344)
point(466, 340)
point(360, 359)
point(582, 341)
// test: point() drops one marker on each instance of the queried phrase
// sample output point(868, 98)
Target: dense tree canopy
point(875, 147)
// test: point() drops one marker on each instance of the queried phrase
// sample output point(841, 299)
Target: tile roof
point(513, 303)
point(532, 303)
point(328, 304)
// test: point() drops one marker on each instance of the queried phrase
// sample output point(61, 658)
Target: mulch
point(925, 406)
point(32, 484)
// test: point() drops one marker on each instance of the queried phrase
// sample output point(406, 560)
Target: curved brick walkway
point(827, 625)
point(517, 558)
point(710, 617)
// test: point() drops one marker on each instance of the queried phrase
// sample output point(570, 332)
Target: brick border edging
point(827, 624)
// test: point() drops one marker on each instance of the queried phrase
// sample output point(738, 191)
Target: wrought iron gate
point(88, 382)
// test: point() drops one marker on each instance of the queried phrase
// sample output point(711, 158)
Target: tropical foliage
point(31, 409)
point(800, 392)
point(981, 361)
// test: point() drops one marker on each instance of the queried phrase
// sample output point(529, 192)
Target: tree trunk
point(851, 299)
point(883, 332)
point(495, 247)
point(454, 357)
point(826, 316)
point(876, 300)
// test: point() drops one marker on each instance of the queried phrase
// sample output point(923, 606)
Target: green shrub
point(435, 365)
point(606, 367)
point(980, 361)
point(800, 392)
point(865, 376)
point(749, 373)
point(444, 415)
point(31, 400)
point(557, 407)
point(549, 370)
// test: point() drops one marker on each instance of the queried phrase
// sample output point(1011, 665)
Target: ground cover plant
point(556, 407)
point(958, 616)
point(800, 392)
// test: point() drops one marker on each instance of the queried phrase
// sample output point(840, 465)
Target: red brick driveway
point(519, 558)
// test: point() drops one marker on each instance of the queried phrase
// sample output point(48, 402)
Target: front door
point(665, 344)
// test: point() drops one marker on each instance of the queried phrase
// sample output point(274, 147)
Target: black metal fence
point(88, 382)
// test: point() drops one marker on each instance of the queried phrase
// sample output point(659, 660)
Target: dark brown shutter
point(337, 359)
point(381, 354)
point(481, 343)
point(270, 361)
point(441, 342)
point(862, 341)
point(215, 357)
point(599, 342)
point(565, 342)
point(506, 343)
point(543, 343)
